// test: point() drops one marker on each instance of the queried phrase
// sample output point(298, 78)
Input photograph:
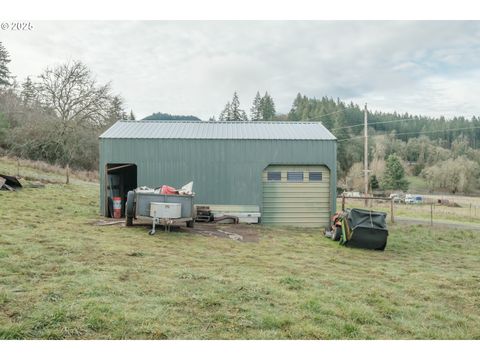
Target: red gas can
point(117, 207)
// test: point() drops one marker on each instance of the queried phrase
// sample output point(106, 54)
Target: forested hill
point(346, 120)
point(445, 153)
point(165, 116)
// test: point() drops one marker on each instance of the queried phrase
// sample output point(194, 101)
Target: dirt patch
point(238, 232)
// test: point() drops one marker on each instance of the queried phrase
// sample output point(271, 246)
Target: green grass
point(441, 213)
point(62, 277)
point(417, 184)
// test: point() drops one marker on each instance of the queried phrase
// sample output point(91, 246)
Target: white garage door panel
point(304, 203)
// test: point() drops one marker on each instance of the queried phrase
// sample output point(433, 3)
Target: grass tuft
point(292, 283)
point(136, 254)
point(274, 322)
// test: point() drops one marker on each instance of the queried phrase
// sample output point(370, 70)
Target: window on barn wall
point(296, 176)
point(274, 176)
point(315, 176)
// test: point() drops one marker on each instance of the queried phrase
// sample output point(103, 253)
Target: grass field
point(63, 277)
point(417, 185)
point(441, 214)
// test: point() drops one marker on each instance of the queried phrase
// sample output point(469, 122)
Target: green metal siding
point(225, 171)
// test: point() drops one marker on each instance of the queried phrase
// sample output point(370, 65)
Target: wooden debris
point(226, 219)
point(105, 223)
point(4, 186)
point(10, 183)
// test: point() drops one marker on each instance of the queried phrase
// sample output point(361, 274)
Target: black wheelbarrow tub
point(368, 229)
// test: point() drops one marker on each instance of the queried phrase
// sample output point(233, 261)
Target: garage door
point(296, 195)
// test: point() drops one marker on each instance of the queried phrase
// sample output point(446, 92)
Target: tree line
point(58, 117)
point(443, 152)
point(263, 109)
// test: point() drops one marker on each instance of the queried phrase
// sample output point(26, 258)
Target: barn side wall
point(223, 171)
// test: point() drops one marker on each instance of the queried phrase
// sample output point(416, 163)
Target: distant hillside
point(165, 116)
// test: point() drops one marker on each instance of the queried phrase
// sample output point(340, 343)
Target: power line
point(347, 127)
point(350, 126)
point(320, 116)
point(376, 123)
point(415, 132)
point(371, 124)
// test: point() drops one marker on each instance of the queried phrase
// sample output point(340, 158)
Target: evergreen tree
point(394, 177)
point(226, 113)
point(232, 111)
point(267, 107)
point(116, 111)
point(293, 115)
point(131, 116)
point(256, 111)
point(5, 76)
point(237, 113)
point(28, 93)
point(374, 185)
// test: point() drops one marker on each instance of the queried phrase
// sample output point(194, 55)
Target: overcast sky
point(193, 68)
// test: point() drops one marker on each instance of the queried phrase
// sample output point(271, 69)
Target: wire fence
point(429, 210)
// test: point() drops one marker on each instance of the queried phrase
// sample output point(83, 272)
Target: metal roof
point(157, 129)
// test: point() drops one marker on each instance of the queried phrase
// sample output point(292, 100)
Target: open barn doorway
point(119, 180)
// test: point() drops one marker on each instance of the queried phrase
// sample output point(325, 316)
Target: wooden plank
point(119, 167)
point(237, 214)
point(232, 208)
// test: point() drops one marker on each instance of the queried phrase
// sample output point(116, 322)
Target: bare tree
point(73, 95)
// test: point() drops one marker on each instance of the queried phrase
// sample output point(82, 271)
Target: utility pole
point(365, 154)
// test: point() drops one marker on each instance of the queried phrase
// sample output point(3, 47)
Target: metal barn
point(287, 169)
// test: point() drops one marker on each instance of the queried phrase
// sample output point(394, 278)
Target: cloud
point(193, 67)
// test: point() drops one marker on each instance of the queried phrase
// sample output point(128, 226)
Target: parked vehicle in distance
point(413, 199)
point(397, 198)
point(352, 194)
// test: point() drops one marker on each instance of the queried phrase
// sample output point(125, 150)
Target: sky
point(193, 67)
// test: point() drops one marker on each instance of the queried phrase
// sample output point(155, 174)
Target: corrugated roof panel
point(155, 129)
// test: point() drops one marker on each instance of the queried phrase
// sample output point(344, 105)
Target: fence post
point(470, 210)
point(343, 202)
point(431, 214)
point(391, 211)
